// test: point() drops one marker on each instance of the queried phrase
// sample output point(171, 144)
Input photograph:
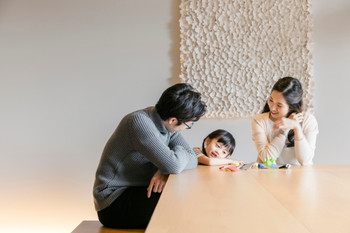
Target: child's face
point(216, 149)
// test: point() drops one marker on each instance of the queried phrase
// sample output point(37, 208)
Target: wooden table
point(300, 199)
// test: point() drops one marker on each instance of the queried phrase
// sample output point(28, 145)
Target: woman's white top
point(272, 144)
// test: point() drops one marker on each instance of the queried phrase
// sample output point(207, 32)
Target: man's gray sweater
point(136, 150)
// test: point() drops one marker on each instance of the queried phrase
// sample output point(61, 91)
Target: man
point(144, 149)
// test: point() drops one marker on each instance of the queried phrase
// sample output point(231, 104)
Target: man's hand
point(157, 183)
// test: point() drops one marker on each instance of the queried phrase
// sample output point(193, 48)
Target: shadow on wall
point(174, 53)
point(335, 26)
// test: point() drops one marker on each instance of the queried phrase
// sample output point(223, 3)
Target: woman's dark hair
point(182, 102)
point(224, 137)
point(292, 92)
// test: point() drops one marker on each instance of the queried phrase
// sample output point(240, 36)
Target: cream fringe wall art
point(233, 51)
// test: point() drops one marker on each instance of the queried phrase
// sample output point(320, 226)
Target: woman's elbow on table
point(305, 162)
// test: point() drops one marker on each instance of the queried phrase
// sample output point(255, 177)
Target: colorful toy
point(229, 168)
point(262, 166)
point(237, 164)
point(271, 163)
point(268, 163)
point(285, 166)
point(247, 166)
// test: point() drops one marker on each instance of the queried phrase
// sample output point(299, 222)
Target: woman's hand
point(292, 122)
point(299, 117)
point(157, 183)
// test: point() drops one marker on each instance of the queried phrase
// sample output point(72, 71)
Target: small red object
point(230, 168)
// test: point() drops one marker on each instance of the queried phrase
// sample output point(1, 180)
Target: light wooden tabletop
point(300, 199)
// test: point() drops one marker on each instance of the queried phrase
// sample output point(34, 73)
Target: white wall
point(332, 70)
point(71, 69)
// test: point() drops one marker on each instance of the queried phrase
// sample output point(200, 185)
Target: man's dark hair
point(182, 102)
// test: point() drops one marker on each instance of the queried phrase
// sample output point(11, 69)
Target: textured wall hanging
point(233, 51)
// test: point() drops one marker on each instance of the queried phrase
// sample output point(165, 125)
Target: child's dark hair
point(292, 92)
point(224, 137)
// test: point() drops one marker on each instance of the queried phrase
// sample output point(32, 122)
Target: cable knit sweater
point(137, 149)
point(272, 144)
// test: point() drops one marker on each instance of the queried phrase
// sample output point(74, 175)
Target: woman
point(283, 131)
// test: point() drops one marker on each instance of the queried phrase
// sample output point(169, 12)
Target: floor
point(55, 207)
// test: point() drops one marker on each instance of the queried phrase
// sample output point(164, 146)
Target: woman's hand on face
point(299, 117)
point(292, 122)
point(157, 183)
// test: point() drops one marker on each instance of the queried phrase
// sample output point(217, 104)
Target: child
point(216, 147)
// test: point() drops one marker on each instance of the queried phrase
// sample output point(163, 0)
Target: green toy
point(270, 163)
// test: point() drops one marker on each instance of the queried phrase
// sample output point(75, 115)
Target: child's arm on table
point(216, 161)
